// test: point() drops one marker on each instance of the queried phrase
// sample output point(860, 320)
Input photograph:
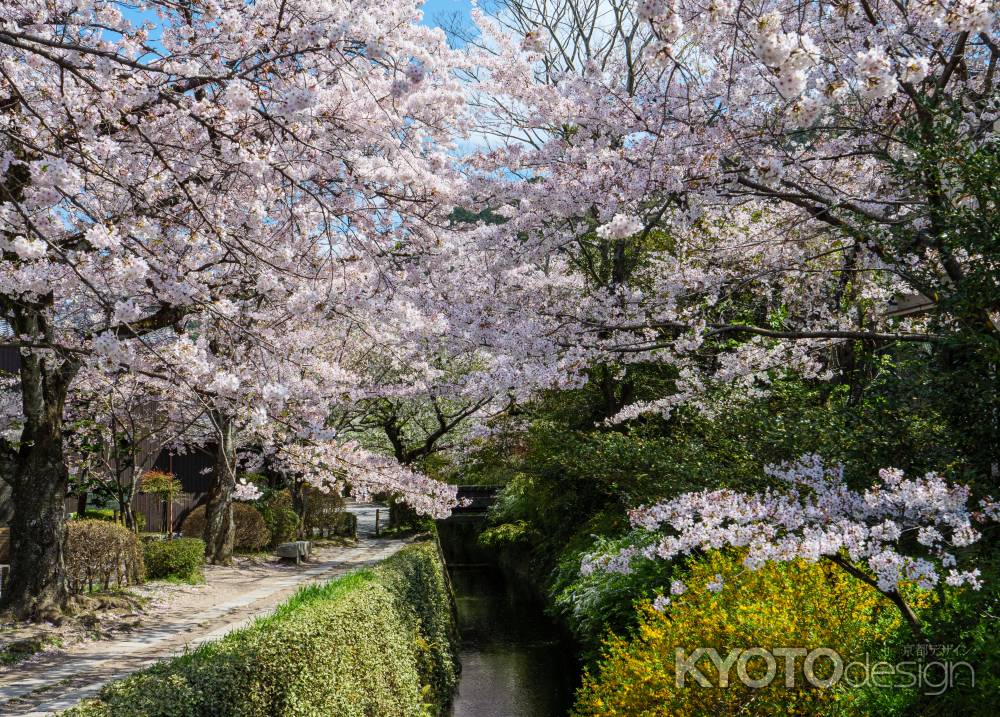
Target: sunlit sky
point(436, 9)
point(435, 13)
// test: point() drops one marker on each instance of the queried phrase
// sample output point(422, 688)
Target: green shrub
point(181, 558)
point(506, 534)
point(417, 577)
point(251, 530)
point(347, 525)
point(321, 512)
point(593, 604)
point(796, 604)
point(106, 514)
point(375, 643)
point(282, 521)
point(101, 554)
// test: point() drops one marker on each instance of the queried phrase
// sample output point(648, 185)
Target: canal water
point(514, 662)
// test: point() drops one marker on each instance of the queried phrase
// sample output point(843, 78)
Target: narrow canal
point(514, 662)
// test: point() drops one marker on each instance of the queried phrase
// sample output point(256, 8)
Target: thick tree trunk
point(37, 587)
point(40, 482)
point(219, 528)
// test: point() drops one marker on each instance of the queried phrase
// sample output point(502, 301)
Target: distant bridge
point(459, 532)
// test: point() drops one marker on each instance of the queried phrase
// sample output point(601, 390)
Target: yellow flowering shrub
point(797, 605)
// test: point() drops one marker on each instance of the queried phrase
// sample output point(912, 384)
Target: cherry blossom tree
point(735, 189)
point(774, 173)
point(117, 425)
point(152, 172)
point(902, 531)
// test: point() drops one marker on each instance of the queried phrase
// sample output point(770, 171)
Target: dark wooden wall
point(10, 359)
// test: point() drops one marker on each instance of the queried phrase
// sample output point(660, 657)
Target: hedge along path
point(59, 681)
point(379, 642)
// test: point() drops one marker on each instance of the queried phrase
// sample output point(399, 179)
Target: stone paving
point(58, 681)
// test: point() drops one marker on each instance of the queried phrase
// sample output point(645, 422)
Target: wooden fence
point(154, 511)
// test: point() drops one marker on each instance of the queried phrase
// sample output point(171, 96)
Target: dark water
point(514, 663)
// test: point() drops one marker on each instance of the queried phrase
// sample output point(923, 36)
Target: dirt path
point(179, 617)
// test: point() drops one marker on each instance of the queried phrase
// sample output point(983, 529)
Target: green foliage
point(96, 514)
point(282, 521)
point(322, 512)
point(592, 605)
point(419, 583)
point(161, 484)
point(181, 558)
point(506, 534)
point(375, 643)
point(251, 530)
point(967, 621)
point(960, 627)
point(100, 554)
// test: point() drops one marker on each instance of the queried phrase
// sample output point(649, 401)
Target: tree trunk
point(37, 586)
point(40, 482)
point(128, 517)
point(6, 504)
point(219, 528)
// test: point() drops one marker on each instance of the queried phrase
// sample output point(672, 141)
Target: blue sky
point(434, 11)
point(437, 12)
point(435, 8)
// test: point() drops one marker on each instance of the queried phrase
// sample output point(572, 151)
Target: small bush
point(181, 558)
point(506, 534)
point(322, 512)
point(375, 643)
point(808, 605)
point(251, 530)
point(282, 521)
point(101, 554)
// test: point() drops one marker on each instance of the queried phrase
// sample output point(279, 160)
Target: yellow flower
point(800, 604)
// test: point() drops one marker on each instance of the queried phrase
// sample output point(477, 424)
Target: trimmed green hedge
point(250, 530)
point(282, 522)
point(100, 554)
point(375, 643)
point(180, 558)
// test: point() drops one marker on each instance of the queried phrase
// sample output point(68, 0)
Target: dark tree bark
point(40, 480)
point(6, 504)
point(219, 527)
